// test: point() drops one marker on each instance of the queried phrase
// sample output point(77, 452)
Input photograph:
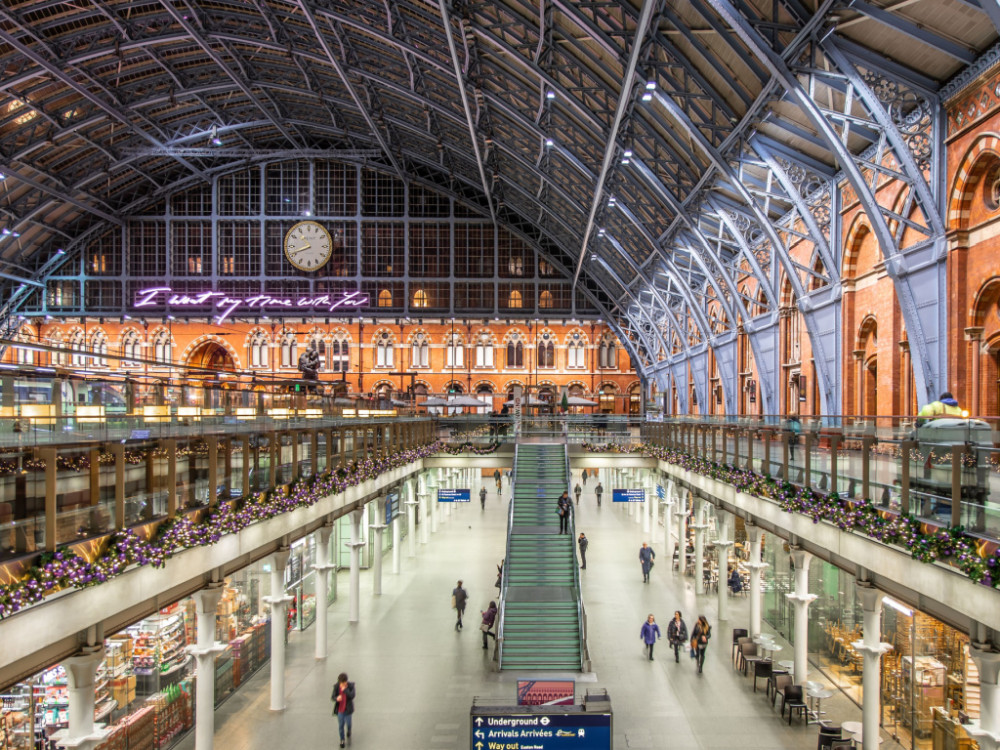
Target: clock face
point(308, 246)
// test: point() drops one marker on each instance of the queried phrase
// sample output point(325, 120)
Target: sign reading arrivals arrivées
point(454, 496)
point(229, 305)
point(628, 496)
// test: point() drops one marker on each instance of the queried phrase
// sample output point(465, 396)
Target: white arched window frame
point(316, 340)
point(99, 348)
point(23, 355)
point(576, 355)
point(419, 356)
point(608, 355)
point(58, 357)
point(289, 350)
point(76, 345)
point(131, 348)
point(484, 352)
point(258, 350)
point(162, 348)
point(383, 351)
point(339, 354)
point(455, 353)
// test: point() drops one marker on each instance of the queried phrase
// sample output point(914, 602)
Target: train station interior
point(454, 346)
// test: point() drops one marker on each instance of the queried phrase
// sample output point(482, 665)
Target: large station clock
point(308, 246)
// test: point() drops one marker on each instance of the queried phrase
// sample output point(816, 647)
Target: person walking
point(599, 490)
point(499, 488)
point(576, 491)
point(499, 583)
point(343, 705)
point(489, 620)
point(482, 497)
point(583, 543)
point(496, 476)
point(699, 640)
point(583, 477)
point(649, 633)
point(563, 509)
point(459, 597)
point(677, 634)
point(794, 431)
point(646, 557)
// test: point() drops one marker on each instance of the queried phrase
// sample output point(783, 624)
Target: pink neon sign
point(261, 303)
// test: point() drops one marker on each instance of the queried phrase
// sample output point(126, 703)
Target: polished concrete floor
point(416, 676)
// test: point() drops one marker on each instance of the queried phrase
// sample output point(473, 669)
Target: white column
point(680, 513)
point(756, 566)
point(279, 627)
point(986, 731)
point(722, 545)
point(206, 603)
point(635, 477)
point(411, 524)
point(699, 527)
point(446, 480)
point(81, 673)
point(801, 598)
point(397, 539)
point(322, 568)
point(432, 486)
point(379, 528)
point(871, 677)
point(355, 544)
point(650, 500)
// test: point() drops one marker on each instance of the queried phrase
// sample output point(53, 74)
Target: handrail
point(577, 589)
point(506, 559)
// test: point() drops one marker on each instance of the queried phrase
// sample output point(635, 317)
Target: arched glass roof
point(666, 156)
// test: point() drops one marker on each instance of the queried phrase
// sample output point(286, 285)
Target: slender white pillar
point(379, 528)
point(986, 731)
point(871, 676)
point(433, 507)
point(206, 603)
point(279, 626)
point(722, 545)
point(81, 732)
point(635, 480)
point(424, 510)
point(699, 527)
point(411, 525)
point(397, 539)
point(322, 568)
point(447, 480)
point(756, 566)
point(801, 598)
point(650, 500)
point(356, 544)
point(680, 513)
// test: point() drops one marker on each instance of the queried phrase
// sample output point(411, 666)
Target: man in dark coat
point(583, 543)
point(563, 509)
point(646, 557)
point(460, 596)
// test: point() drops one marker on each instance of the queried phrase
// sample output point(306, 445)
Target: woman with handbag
point(677, 633)
point(699, 640)
point(489, 620)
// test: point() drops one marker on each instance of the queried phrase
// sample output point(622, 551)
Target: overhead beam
point(460, 82)
point(624, 101)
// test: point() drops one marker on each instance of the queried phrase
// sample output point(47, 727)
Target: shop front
point(929, 683)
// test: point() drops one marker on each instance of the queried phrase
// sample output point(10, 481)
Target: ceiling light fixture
point(647, 96)
point(215, 140)
point(549, 143)
point(550, 94)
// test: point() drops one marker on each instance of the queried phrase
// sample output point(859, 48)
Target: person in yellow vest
point(945, 406)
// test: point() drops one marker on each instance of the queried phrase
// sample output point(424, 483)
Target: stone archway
point(211, 355)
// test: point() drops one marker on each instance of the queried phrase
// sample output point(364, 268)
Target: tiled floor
point(416, 676)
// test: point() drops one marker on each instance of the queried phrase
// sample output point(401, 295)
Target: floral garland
point(468, 447)
point(65, 569)
point(951, 545)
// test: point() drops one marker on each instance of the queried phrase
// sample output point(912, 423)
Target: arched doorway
point(871, 387)
point(206, 360)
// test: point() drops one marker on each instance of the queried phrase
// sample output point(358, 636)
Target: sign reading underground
point(570, 731)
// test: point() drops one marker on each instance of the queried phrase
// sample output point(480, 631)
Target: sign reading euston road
point(628, 496)
point(454, 496)
point(575, 730)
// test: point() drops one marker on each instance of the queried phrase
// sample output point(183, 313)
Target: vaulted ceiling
point(659, 153)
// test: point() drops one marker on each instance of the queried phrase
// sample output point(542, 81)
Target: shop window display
point(144, 687)
point(927, 677)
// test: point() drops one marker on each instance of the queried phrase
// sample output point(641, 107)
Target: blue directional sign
point(391, 505)
point(661, 493)
point(454, 496)
point(628, 496)
point(568, 731)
